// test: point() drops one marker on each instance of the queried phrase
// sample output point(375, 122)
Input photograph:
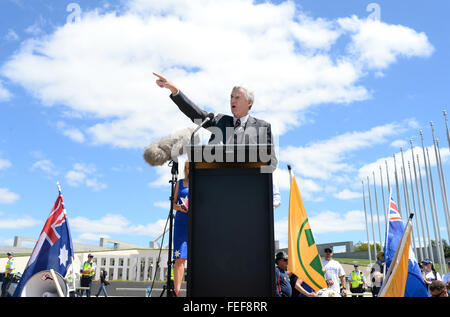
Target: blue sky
point(342, 89)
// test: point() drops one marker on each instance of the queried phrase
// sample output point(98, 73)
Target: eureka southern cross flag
point(53, 250)
point(304, 260)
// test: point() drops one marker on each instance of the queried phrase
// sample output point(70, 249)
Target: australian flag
point(415, 286)
point(53, 250)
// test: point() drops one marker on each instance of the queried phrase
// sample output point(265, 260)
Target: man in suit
point(240, 128)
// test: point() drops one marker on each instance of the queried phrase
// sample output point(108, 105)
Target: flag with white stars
point(54, 249)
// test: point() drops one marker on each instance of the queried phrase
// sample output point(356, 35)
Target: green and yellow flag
point(304, 260)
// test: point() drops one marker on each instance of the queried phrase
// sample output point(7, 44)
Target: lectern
point(231, 235)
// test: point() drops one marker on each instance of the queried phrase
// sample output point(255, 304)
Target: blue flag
point(415, 286)
point(53, 250)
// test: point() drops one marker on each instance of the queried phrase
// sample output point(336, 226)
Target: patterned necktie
point(237, 124)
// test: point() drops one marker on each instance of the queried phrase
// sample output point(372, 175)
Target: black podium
point(231, 235)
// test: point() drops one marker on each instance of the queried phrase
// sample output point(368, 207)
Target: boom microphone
point(168, 148)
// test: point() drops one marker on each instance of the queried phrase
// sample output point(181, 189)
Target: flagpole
point(367, 226)
point(397, 186)
point(406, 192)
point(290, 174)
point(448, 135)
point(436, 215)
point(418, 199)
point(415, 211)
point(371, 219)
point(382, 193)
point(376, 204)
point(430, 198)
point(443, 188)
point(405, 186)
point(58, 185)
point(387, 175)
point(430, 247)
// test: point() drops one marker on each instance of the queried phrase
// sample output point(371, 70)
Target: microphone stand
point(169, 287)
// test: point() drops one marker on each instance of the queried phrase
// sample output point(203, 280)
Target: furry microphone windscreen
point(169, 147)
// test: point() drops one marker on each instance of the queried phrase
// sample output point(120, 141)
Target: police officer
point(357, 281)
point(283, 286)
point(10, 270)
point(87, 273)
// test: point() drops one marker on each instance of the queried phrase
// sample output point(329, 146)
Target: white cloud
point(329, 221)
point(162, 204)
point(46, 166)
point(4, 164)
point(378, 44)
point(368, 169)
point(11, 35)
point(325, 222)
point(347, 194)
point(114, 224)
point(18, 222)
point(399, 143)
point(323, 159)
point(82, 174)
point(8, 197)
point(5, 95)
point(102, 66)
point(73, 133)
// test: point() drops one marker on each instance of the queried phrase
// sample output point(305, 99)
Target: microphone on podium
point(168, 148)
point(208, 118)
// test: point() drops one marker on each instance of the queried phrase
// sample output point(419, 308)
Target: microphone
point(208, 118)
point(170, 147)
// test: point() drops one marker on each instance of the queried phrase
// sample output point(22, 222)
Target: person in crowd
point(180, 235)
point(283, 286)
point(438, 289)
point(300, 288)
point(357, 281)
point(87, 273)
point(9, 274)
point(103, 283)
point(377, 274)
point(430, 273)
point(333, 272)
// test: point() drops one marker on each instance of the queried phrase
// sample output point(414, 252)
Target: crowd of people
point(290, 285)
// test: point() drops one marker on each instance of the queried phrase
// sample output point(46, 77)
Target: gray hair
point(249, 95)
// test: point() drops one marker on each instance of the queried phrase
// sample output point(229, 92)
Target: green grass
point(361, 262)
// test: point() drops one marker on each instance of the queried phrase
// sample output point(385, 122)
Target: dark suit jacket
point(255, 131)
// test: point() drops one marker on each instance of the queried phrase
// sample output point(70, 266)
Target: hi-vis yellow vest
point(10, 265)
point(356, 279)
point(87, 266)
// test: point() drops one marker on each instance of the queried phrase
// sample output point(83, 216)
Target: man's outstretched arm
point(184, 104)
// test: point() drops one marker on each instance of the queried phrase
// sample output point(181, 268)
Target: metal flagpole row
point(408, 209)
point(430, 246)
point(367, 226)
point(430, 200)
point(435, 212)
point(425, 248)
point(419, 242)
point(371, 220)
point(378, 212)
point(441, 180)
point(414, 200)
